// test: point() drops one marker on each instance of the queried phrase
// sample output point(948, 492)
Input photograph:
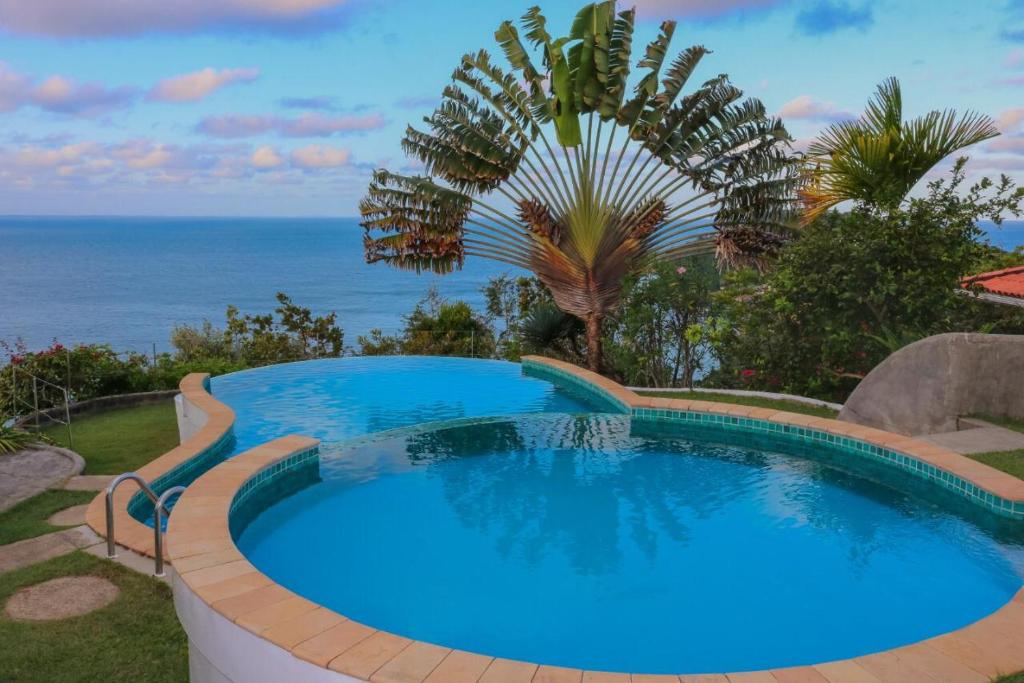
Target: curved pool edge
point(996, 491)
point(242, 626)
point(210, 424)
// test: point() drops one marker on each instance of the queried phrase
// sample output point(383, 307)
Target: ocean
point(128, 281)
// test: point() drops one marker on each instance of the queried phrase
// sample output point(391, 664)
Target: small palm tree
point(878, 158)
point(689, 173)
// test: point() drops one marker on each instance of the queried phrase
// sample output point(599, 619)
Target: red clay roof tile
point(1007, 282)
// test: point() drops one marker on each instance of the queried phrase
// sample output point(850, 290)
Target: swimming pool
point(334, 399)
point(339, 398)
point(541, 514)
point(581, 541)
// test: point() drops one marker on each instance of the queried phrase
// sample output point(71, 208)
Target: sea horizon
point(128, 280)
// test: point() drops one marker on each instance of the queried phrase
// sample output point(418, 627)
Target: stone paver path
point(46, 547)
point(29, 472)
point(72, 516)
point(63, 598)
point(979, 440)
point(88, 482)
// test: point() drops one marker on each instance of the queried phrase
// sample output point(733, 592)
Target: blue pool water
point(340, 398)
point(579, 541)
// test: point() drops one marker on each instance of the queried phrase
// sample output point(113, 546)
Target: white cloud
point(1007, 143)
point(1009, 119)
point(306, 125)
point(808, 108)
point(266, 157)
point(194, 86)
point(101, 18)
point(60, 94)
point(699, 9)
point(141, 162)
point(319, 156)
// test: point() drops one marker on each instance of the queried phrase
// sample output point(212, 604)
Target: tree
point(857, 285)
point(436, 327)
point(659, 339)
point(689, 173)
point(510, 299)
point(877, 159)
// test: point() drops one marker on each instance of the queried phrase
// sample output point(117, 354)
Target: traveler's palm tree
point(878, 158)
point(557, 167)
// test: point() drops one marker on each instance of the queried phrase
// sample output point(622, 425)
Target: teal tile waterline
point(855, 447)
point(141, 507)
point(271, 484)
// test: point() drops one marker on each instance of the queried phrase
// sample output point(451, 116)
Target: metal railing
point(159, 510)
point(158, 522)
point(40, 385)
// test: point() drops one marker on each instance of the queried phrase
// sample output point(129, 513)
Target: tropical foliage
point(12, 439)
point(877, 159)
point(290, 333)
point(436, 327)
point(566, 166)
point(511, 300)
point(659, 334)
point(857, 286)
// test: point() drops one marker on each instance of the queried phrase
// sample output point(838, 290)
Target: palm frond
point(878, 159)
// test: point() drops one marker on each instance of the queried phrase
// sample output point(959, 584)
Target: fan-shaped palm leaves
point(628, 175)
point(878, 158)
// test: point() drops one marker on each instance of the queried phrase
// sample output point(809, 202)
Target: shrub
point(12, 440)
point(657, 337)
point(855, 286)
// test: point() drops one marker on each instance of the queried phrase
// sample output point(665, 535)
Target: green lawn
point(123, 439)
point(755, 401)
point(136, 638)
point(1014, 678)
point(27, 519)
point(1011, 462)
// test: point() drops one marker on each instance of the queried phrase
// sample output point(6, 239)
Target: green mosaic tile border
point(141, 507)
point(593, 392)
point(856, 447)
point(262, 483)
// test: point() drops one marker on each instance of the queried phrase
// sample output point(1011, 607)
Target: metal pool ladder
point(159, 510)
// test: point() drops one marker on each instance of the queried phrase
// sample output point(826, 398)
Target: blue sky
point(282, 107)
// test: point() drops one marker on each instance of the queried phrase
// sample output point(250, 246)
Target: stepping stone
point(68, 596)
point(72, 516)
point(88, 482)
point(26, 473)
point(46, 547)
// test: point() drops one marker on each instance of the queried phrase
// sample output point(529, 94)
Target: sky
point(284, 107)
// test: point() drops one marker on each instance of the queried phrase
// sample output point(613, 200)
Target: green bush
point(12, 440)
point(89, 371)
point(436, 327)
point(657, 337)
point(856, 286)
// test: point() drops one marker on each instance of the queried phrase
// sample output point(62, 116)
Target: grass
point(120, 440)
point(1003, 421)
point(27, 519)
point(1014, 678)
point(1011, 462)
point(755, 401)
point(135, 638)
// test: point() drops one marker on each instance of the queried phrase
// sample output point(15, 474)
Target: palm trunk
point(594, 346)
